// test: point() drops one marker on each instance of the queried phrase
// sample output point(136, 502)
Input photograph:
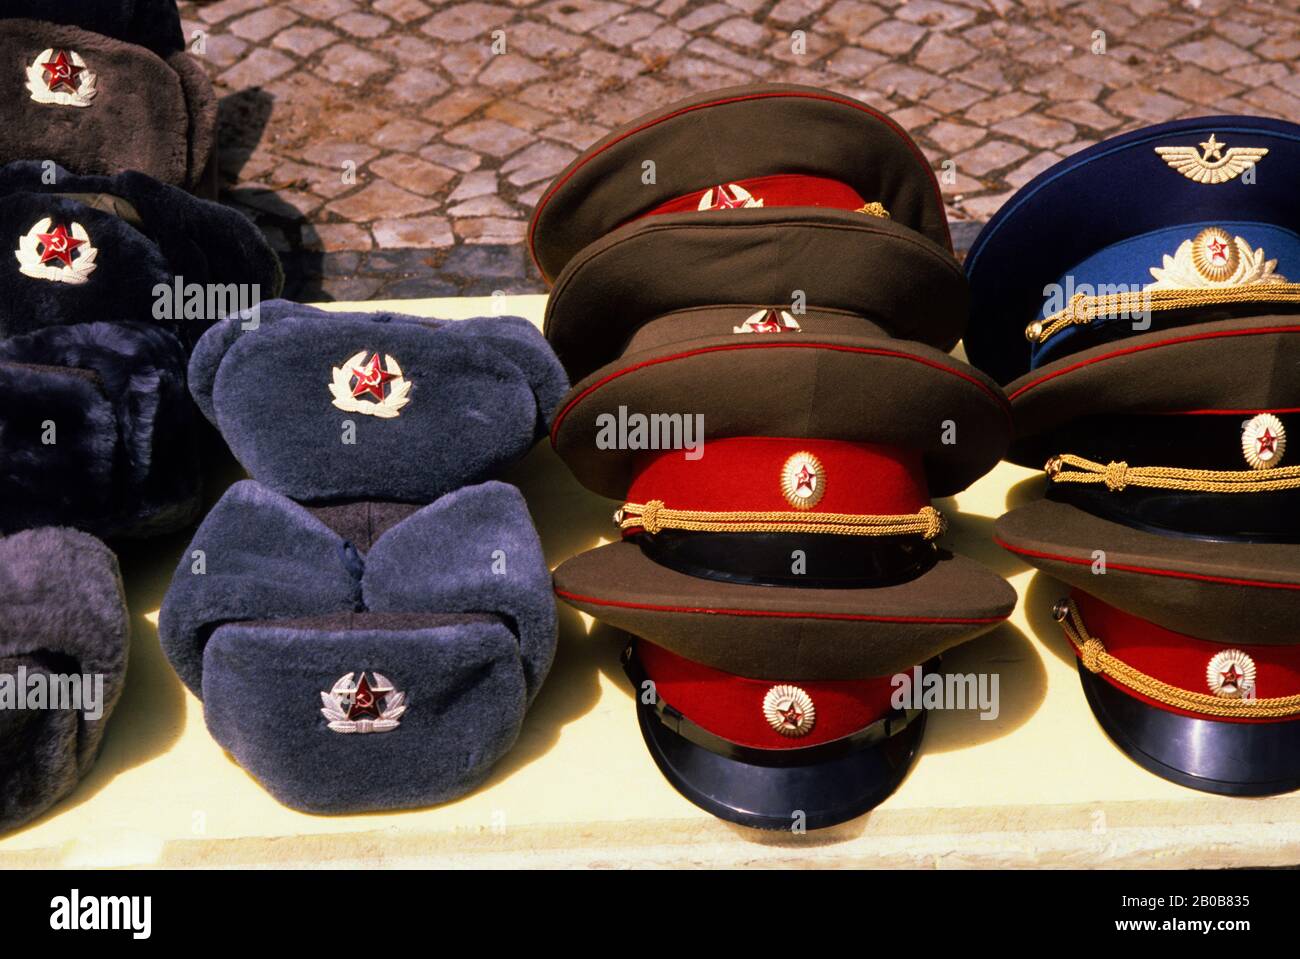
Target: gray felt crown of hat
point(403, 640)
point(72, 89)
point(431, 405)
point(63, 615)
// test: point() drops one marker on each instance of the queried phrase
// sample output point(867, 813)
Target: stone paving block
point(330, 237)
point(1037, 130)
point(403, 11)
point(411, 173)
point(1084, 112)
point(509, 70)
point(627, 28)
point(580, 16)
point(1001, 108)
point(952, 96)
point(1142, 103)
point(704, 17)
point(349, 65)
point(456, 106)
point(466, 21)
point(541, 161)
point(257, 69)
point(488, 136)
point(303, 41)
point(262, 24)
point(1213, 53)
point(855, 62)
point(415, 86)
point(364, 26)
point(993, 155)
point(954, 137)
point(943, 52)
point(443, 155)
point(741, 32)
point(379, 200)
point(491, 229)
point(430, 232)
point(472, 185)
point(892, 37)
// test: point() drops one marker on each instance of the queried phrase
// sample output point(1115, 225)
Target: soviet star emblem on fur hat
point(77, 74)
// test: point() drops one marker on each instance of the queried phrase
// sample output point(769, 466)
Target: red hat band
point(761, 713)
point(799, 484)
point(779, 189)
point(1243, 683)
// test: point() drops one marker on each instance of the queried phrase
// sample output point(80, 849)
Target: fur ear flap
point(62, 612)
point(126, 460)
point(477, 551)
point(155, 24)
point(520, 340)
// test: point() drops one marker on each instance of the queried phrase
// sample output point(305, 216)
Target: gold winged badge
point(1214, 162)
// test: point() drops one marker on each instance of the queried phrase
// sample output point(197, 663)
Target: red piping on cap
point(997, 397)
point(783, 614)
point(1079, 561)
point(1151, 346)
point(907, 140)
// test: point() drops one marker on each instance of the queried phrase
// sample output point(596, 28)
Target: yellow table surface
point(1041, 785)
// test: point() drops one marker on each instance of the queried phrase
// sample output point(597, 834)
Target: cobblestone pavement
point(389, 149)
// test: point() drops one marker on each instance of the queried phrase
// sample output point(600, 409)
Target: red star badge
point(1267, 443)
point(1231, 676)
point(61, 72)
point(365, 702)
point(371, 378)
point(58, 245)
point(804, 478)
point(724, 199)
point(791, 716)
point(768, 324)
point(1218, 249)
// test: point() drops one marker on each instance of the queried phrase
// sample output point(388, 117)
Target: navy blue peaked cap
point(1205, 203)
point(444, 611)
point(328, 406)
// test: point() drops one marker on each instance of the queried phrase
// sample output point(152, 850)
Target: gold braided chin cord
point(1092, 653)
point(1068, 468)
point(1084, 309)
point(654, 516)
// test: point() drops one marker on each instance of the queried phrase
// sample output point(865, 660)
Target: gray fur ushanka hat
point(387, 616)
point(64, 615)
